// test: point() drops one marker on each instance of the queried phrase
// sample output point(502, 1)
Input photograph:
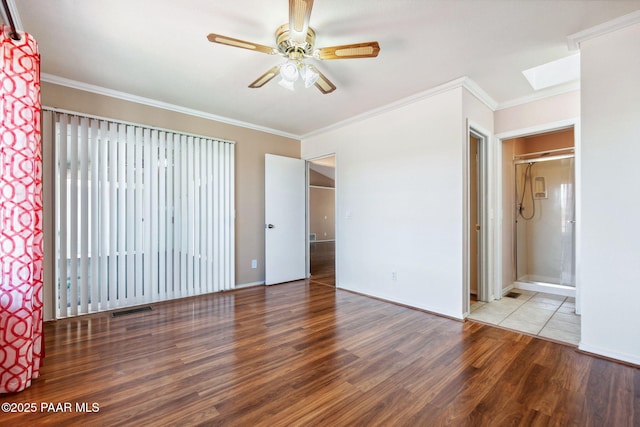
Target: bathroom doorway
point(322, 220)
point(477, 219)
point(543, 212)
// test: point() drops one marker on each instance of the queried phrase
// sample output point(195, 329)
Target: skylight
point(564, 70)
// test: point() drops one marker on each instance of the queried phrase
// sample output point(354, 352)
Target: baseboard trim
point(249, 285)
point(404, 304)
point(603, 353)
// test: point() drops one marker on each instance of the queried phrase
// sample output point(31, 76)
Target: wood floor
point(308, 354)
point(322, 262)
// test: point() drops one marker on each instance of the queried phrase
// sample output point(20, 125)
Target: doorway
point(542, 211)
point(322, 220)
point(477, 271)
point(474, 218)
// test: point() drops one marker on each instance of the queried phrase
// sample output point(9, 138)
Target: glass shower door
point(545, 220)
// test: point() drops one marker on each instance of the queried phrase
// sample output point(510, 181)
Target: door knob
point(271, 226)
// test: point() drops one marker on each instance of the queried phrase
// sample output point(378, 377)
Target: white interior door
point(285, 219)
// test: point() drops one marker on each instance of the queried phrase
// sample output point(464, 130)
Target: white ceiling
point(158, 50)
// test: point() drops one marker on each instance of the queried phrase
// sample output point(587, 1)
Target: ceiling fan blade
point(265, 78)
point(356, 50)
point(217, 38)
point(299, 14)
point(323, 83)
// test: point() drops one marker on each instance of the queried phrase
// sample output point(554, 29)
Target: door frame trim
point(485, 253)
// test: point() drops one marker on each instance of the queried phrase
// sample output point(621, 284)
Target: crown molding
point(539, 95)
point(49, 78)
point(479, 93)
point(462, 82)
point(574, 40)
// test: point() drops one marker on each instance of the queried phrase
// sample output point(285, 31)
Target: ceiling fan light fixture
point(286, 84)
point(295, 40)
point(309, 76)
point(289, 71)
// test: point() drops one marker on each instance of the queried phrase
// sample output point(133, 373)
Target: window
point(142, 214)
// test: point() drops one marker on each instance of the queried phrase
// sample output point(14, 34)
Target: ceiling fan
point(295, 41)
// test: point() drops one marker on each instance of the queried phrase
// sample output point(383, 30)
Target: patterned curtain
point(21, 343)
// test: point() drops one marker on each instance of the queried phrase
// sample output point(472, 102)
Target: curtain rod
point(14, 34)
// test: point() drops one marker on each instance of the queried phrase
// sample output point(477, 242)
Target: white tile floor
point(546, 315)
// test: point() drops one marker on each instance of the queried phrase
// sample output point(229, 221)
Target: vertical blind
point(142, 214)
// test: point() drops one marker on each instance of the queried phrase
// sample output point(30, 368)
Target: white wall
point(610, 246)
point(542, 112)
point(399, 191)
point(477, 112)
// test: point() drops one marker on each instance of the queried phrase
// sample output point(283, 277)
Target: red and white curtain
point(21, 256)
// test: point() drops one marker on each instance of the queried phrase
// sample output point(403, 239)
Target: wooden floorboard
point(307, 354)
point(322, 262)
